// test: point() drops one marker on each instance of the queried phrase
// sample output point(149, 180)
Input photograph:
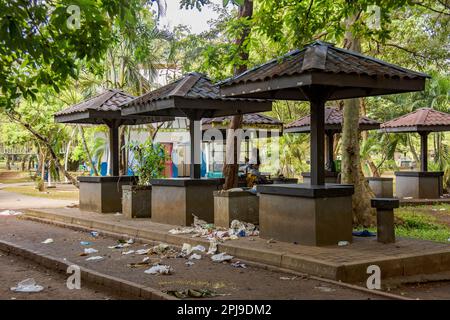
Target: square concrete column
point(235, 205)
point(382, 187)
point(175, 201)
point(418, 185)
point(385, 218)
point(103, 194)
point(306, 214)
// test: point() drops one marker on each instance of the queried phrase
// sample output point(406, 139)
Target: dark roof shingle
point(325, 58)
point(109, 100)
point(424, 119)
point(248, 119)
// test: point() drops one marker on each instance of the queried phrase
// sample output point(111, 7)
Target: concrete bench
point(385, 218)
point(235, 205)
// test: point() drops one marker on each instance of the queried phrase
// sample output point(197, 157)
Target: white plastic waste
point(189, 263)
point(343, 243)
point(239, 264)
point(95, 258)
point(186, 249)
point(10, 213)
point(128, 252)
point(47, 241)
point(146, 259)
point(212, 246)
point(195, 256)
point(221, 257)
point(90, 250)
point(142, 251)
point(27, 285)
point(198, 248)
point(159, 269)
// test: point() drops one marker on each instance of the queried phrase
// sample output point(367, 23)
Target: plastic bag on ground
point(142, 251)
point(221, 257)
point(159, 269)
point(10, 213)
point(186, 249)
point(195, 256)
point(95, 258)
point(27, 285)
point(48, 241)
point(212, 246)
point(90, 250)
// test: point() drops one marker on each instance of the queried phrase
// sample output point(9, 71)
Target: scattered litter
point(130, 241)
point(95, 258)
point(270, 241)
point(243, 229)
point(206, 230)
point(221, 257)
point(442, 209)
point(142, 251)
point(364, 233)
point(138, 264)
point(118, 214)
point(119, 246)
point(10, 213)
point(159, 269)
point(212, 246)
point(198, 248)
point(85, 243)
point(186, 249)
point(189, 263)
point(192, 293)
point(27, 285)
point(325, 289)
point(94, 234)
point(195, 256)
point(343, 243)
point(239, 264)
point(49, 240)
point(90, 250)
point(128, 252)
point(146, 259)
point(160, 248)
point(288, 278)
point(407, 198)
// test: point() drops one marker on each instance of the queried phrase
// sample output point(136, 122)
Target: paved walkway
point(15, 201)
point(407, 257)
point(221, 278)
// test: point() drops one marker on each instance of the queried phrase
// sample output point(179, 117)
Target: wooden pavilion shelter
point(103, 194)
point(317, 73)
point(419, 184)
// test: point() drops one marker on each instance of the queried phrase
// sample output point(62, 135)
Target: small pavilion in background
point(334, 120)
point(421, 184)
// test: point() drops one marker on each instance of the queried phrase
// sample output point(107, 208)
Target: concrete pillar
point(317, 144)
point(385, 218)
point(424, 151)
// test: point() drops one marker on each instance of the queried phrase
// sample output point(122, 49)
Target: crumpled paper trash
point(27, 285)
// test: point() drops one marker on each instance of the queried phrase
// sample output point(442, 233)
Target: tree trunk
point(230, 170)
point(16, 117)
point(8, 162)
point(352, 173)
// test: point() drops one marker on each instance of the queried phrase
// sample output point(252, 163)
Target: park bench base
point(330, 177)
point(103, 194)
point(175, 201)
point(418, 185)
point(236, 205)
point(382, 187)
point(305, 214)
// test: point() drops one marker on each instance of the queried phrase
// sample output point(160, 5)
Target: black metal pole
point(424, 151)
point(317, 142)
point(114, 148)
point(195, 149)
point(330, 159)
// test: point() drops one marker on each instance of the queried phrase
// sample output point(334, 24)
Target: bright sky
point(196, 20)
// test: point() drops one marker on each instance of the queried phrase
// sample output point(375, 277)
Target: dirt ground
point(220, 278)
point(14, 269)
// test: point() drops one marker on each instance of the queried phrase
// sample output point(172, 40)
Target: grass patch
point(8, 177)
point(56, 194)
point(413, 224)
